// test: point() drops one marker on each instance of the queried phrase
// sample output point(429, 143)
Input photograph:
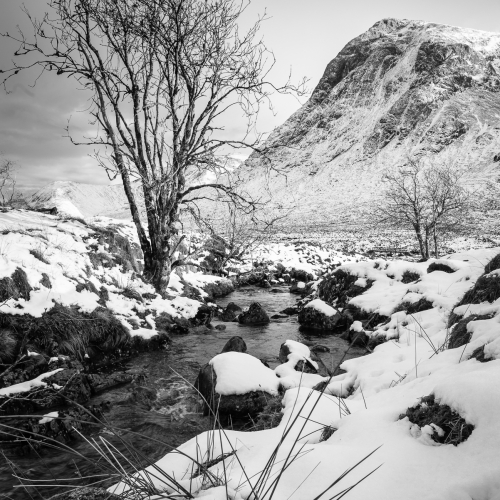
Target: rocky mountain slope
point(403, 85)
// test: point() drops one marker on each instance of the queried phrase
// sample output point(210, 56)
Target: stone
point(203, 316)
point(231, 312)
point(290, 311)
point(235, 344)
point(255, 315)
point(309, 317)
point(220, 327)
point(234, 405)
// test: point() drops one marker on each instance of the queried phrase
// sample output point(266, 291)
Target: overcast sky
point(304, 35)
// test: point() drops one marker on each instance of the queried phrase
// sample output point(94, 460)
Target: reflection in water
point(176, 415)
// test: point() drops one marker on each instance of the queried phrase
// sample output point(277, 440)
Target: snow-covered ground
point(57, 256)
point(299, 460)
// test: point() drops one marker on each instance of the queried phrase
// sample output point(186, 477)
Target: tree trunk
point(157, 270)
point(420, 241)
point(436, 250)
point(426, 243)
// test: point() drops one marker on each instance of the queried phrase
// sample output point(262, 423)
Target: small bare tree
point(232, 234)
point(7, 182)
point(427, 197)
point(161, 75)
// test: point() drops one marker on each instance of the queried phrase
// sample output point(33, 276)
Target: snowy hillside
point(82, 200)
point(401, 85)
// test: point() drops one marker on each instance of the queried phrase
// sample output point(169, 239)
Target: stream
point(177, 414)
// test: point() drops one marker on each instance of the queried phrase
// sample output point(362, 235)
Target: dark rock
point(255, 315)
point(279, 316)
point(231, 312)
point(278, 290)
point(235, 344)
point(203, 316)
point(290, 311)
point(309, 317)
point(236, 405)
point(220, 327)
point(319, 348)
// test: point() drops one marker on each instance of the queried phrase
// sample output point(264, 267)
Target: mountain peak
point(401, 86)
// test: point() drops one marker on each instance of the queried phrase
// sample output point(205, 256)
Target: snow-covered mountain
point(82, 200)
point(403, 85)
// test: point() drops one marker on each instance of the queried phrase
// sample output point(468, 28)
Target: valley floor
point(415, 418)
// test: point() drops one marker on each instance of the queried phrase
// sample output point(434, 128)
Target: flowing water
point(148, 430)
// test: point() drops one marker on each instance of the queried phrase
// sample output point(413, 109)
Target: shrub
point(429, 411)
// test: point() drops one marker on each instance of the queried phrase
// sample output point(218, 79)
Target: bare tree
point(161, 74)
point(428, 197)
point(231, 236)
point(7, 182)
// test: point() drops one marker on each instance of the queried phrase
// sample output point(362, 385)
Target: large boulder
point(231, 312)
point(236, 384)
point(254, 315)
point(318, 315)
point(235, 344)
